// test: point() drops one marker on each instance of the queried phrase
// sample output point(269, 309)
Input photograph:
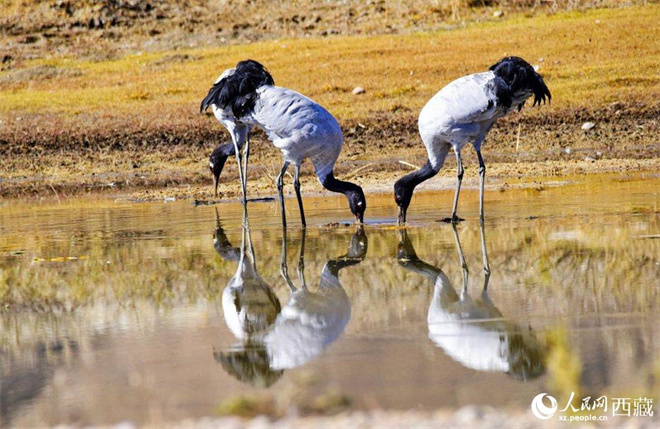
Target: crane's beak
point(359, 218)
point(216, 180)
point(216, 167)
point(402, 215)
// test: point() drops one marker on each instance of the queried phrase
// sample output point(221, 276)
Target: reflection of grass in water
point(130, 274)
point(597, 266)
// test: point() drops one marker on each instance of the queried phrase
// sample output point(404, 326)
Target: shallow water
point(115, 311)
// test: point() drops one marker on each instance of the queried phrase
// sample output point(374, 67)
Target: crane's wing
point(476, 98)
point(284, 114)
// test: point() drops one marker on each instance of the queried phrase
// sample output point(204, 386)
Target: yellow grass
point(588, 59)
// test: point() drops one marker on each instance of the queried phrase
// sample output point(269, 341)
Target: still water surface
point(152, 312)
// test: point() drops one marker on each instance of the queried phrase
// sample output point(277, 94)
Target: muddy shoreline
point(46, 157)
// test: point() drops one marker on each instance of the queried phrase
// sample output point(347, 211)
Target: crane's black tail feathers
point(520, 76)
point(238, 89)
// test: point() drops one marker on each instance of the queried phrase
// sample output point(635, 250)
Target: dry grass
point(592, 58)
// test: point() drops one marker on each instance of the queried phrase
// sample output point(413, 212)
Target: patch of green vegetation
point(328, 403)
point(300, 397)
point(247, 406)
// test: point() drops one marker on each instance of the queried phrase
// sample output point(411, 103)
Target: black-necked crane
point(464, 111)
point(312, 320)
point(472, 331)
point(250, 307)
point(244, 97)
point(274, 337)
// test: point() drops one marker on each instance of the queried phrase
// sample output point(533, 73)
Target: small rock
point(599, 154)
point(567, 150)
point(259, 422)
point(588, 125)
point(589, 159)
point(469, 415)
point(358, 90)
point(498, 14)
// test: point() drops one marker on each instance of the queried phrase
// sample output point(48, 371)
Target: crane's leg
point(301, 260)
point(482, 179)
point(240, 170)
point(246, 154)
point(296, 186)
point(461, 259)
point(484, 254)
point(250, 247)
point(284, 269)
point(280, 190)
point(484, 251)
point(241, 259)
point(459, 177)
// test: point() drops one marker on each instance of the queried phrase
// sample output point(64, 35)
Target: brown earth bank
point(166, 156)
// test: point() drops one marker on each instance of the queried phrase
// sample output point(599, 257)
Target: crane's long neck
point(353, 193)
point(357, 251)
point(330, 183)
point(418, 176)
point(405, 186)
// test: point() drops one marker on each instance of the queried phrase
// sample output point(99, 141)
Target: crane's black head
point(237, 89)
point(357, 202)
point(405, 186)
point(403, 192)
point(217, 161)
point(521, 77)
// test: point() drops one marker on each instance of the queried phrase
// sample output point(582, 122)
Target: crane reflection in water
point(473, 331)
point(273, 338)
